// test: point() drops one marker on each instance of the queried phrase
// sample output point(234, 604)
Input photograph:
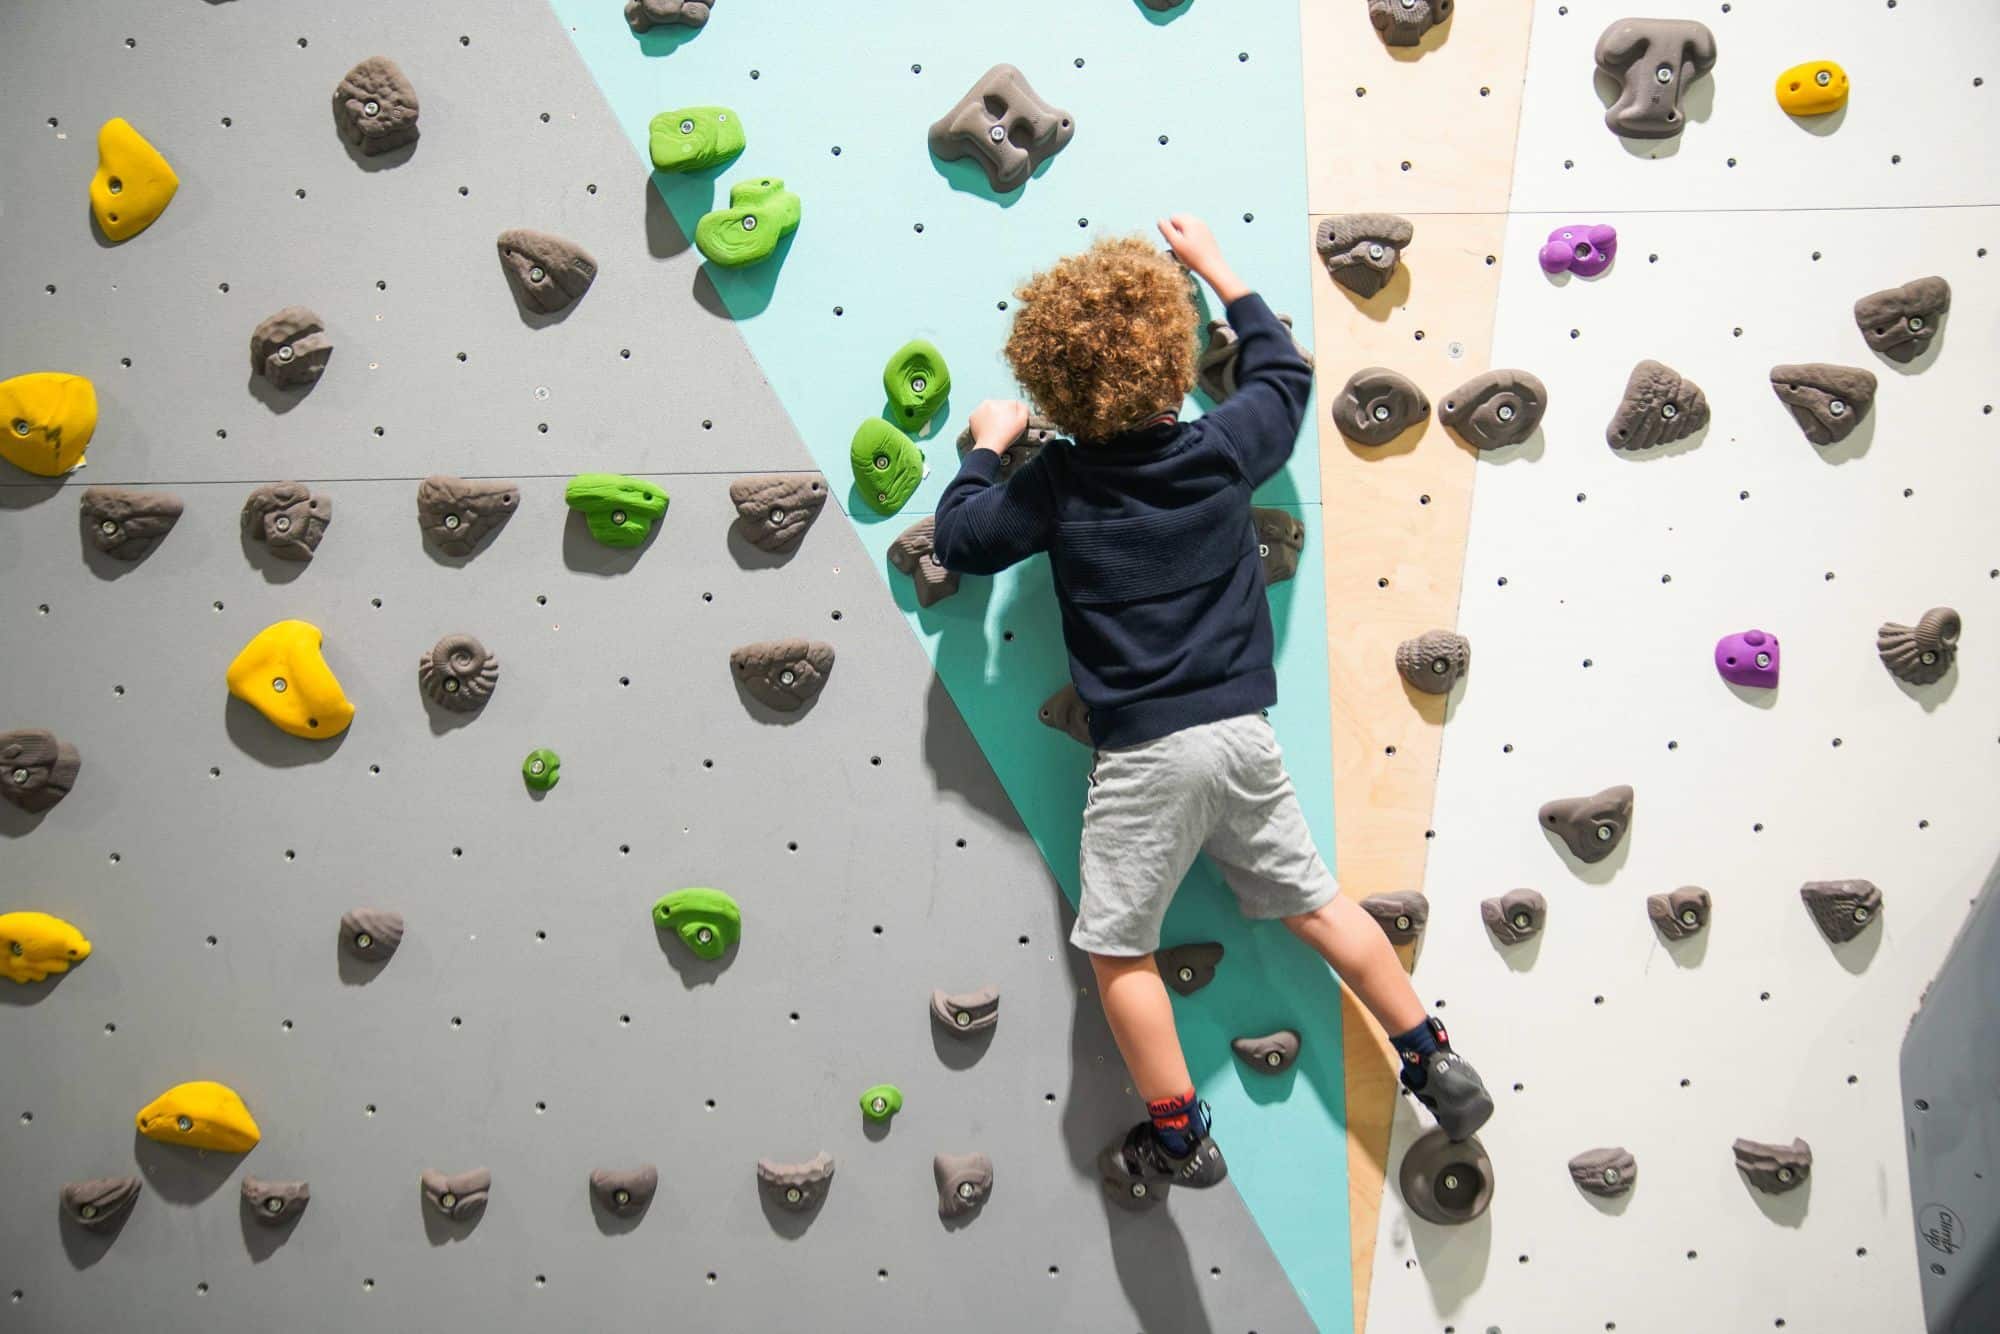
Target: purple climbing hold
point(1585, 251)
point(1748, 658)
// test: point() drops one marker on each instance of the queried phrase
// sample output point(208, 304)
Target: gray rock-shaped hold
point(1499, 408)
point(458, 673)
point(783, 674)
point(625, 1192)
point(1034, 437)
point(645, 15)
point(1443, 1182)
point(1404, 22)
point(548, 273)
point(1377, 405)
point(964, 1182)
point(376, 106)
point(287, 517)
point(1281, 539)
point(457, 514)
point(1188, 968)
point(1590, 827)
point(1900, 322)
point(1004, 126)
point(98, 1204)
point(1515, 916)
point(776, 509)
point(1679, 913)
point(968, 1012)
point(290, 349)
point(1774, 1168)
point(1402, 915)
point(914, 553)
point(1130, 1190)
point(37, 768)
point(124, 524)
point(1920, 653)
point(1215, 369)
point(1827, 401)
point(1660, 406)
point(275, 1203)
point(1841, 909)
point(1652, 61)
point(1604, 1172)
point(371, 935)
point(1065, 712)
point(457, 1197)
point(1272, 1054)
point(1434, 661)
point(796, 1187)
point(1361, 250)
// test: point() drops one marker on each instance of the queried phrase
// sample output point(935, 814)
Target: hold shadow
point(259, 738)
point(1688, 951)
point(666, 38)
point(966, 176)
point(1754, 695)
point(534, 319)
point(609, 1221)
point(445, 721)
point(742, 293)
point(1405, 442)
point(749, 556)
point(1426, 44)
point(790, 1224)
point(1855, 955)
point(664, 237)
point(262, 1240)
point(1393, 294)
point(29, 490)
point(1160, 18)
point(764, 713)
point(274, 568)
point(395, 157)
point(1266, 1089)
point(959, 1053)
point(84, 1247)
point(1611, 1205)
point(694, 970)
point(1851, 448)
point(1930, 696)
point(1527, 451)
point(102, 563)
point(442, 1230)
point(17, 823)
point(1821, 125)
point(876, 1131)
point(1593, 873)
point(182, 1175)
point(1788, 1209)
point(276, 399)
point(586, 555)
point(355, 972)
point(1521, 957)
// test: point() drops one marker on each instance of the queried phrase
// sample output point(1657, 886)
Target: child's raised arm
point(982, 528)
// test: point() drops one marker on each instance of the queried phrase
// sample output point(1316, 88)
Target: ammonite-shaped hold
point(797, 1187)
point(777, 508)
point(371, 934)
point(619, 510)
point(1360, 250)
point(1446, 1183)
point(459, 1197)
point(290, 349)
point(1404, 22)
point(459, 673)
point(46, 421)
point(133, 184)
point(1434, 661)
point(1215, 369)
point(1774, 1168)
point(1679, 914)
point(1827, 401)
point(1605, 1172)
point(1920, 653)
point(761, 214)
point(917, 382)
point(125, 525)
point(1900, 322)
point(887, 465)
point(1812, 89)
point(1002, 124)
point(457, 515)
point(1271, 1054)
point(1402, 915)
point(1652, 61)
point(1515, 916)
point(1497, 409)
point(37, 769)
point(915, 554)
point(1281, 538)
point(1748, 658)
point(625, 1192)
point(289, 518)
point(36, 945)
point(1065, 712)
point(1590, 827)
point(968, 1012)
point(1377, 405)
point(708, 921)
point(964, 1182)
point(644, 15)
point(1585, 249)
point(548, 273)
point(99, 1203)
point(275, 1203)
point(1188, 968)
point(783, 674)
point(694, 138)
point(200, 1114)
point(377, 106)
point(1660, 406)
point(1841, 909)
point(1033, 438)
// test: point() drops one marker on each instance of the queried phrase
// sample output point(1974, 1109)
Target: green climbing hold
point(620, 510)
point(917, 382)
point(761, 213)
point(881, 1102)
point(707, 920)
point(542, 769)
point(887, 465)
point(694, 138)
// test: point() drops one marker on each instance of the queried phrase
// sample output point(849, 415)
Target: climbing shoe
point(1443, 1082)
point(1141, 1156)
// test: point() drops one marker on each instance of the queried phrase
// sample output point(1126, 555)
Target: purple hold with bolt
point(1584, 251)
point(1749, 658)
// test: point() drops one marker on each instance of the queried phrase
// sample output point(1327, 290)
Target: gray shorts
point(1220, 788)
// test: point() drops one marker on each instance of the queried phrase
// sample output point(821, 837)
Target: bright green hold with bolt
point(694, 138)
point(887, 465)
point(620, 510)
point(707, 920)
point(542, 769)
point(761, 213)
point(881, 1102)
point(917, 382)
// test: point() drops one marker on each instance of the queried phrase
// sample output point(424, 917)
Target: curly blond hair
point(1105, 339)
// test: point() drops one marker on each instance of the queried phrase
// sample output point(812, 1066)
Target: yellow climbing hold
point(133, 184)
point(34, 944)
point(201, 1115)
point(282, 675)
point(46, 421)
point(1813, 89)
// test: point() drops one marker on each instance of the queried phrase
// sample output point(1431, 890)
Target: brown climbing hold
point(371, 934)
point(1188, 968)
point(1361, 250)
point(1679, 914)
point(966, 1013)
point(36, 769)
point(1215, 369)
point(1827, 401)
point(290, 349)
point(1281, 538)
point(1272, 1054)
point(287, 517)
point(1445, 1182)
point(1515, 916)
point(275, 1203)
point(1401, 915)
point(1404, 22)
point(125, 525)
point(1034, 437)
point(1922, 653)
point(964, 1182)
point(377, 106)
point(1065, 712)
point(1774, 1168)
point(457, 514)
point(644, 15)
point(626, 1192)
point(457, 1197)
point(1590, 827)
point(97, 1204)
point(1500, 408)
point(1660, 406)
point(1002, 124)
point(1377, 405)
point(1900, 322)
point(1652, 61)
point(783, 674)
point(1434, 661)
point(1604, 1172)
point(548, 272)
point(1841, 909)
point(796, 1187)
point(914, 553)
point(777, 508)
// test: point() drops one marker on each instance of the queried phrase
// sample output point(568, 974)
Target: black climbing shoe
point(1450, 1088)
point(1141, 1155)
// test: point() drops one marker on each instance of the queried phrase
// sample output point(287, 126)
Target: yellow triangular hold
point(133, 184)
point(282, 675)
point(46, 421)
point(34, 946)
point(202, 1115)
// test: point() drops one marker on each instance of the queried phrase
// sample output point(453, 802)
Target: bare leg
point(1350, 940)
point(1142, 1020)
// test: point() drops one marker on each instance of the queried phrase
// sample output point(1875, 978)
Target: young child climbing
point(1147, 523)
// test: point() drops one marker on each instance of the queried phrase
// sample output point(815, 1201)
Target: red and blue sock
point(1416, 1047)
point(1179, 1123)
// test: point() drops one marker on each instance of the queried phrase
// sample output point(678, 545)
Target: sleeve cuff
point(1249, 311)
point(981, 463)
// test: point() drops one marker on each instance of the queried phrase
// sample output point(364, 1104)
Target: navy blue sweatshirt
point(1151, 546)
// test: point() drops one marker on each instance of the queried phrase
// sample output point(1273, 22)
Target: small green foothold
point(620, 510)
point(917, 382)
point(542, 769)
point(707, 920)
point(881, 1102)
point(887, 465)
point(694, 138)
point(761, 213)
